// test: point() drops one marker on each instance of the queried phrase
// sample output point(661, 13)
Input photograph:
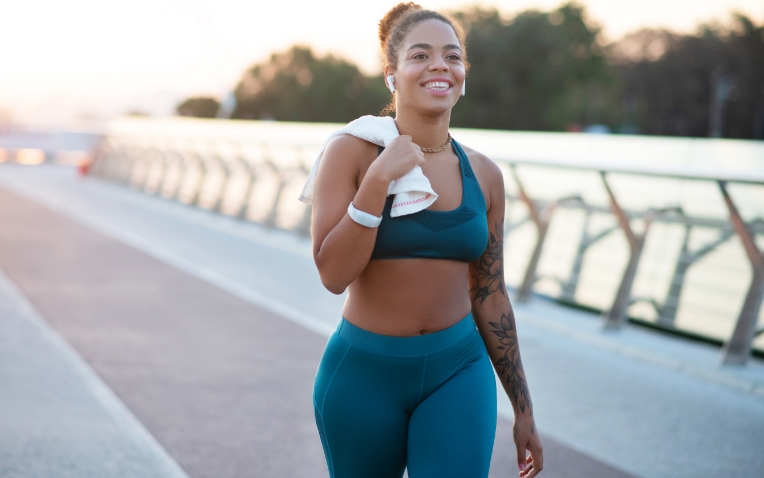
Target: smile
point(437, 86)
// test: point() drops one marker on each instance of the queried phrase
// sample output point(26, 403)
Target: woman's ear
point(389, 79)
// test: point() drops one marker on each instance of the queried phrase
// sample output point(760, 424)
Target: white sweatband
point(363, 218)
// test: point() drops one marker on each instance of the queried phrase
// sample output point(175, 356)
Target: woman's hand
point(527, 440)
point(398, 158)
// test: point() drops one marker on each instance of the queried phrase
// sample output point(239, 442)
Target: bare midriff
point(404, 297)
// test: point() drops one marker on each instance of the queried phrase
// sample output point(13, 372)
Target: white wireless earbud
point(390, 83)
point(464, 84)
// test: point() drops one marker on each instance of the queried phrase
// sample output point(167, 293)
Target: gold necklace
point(439, 148)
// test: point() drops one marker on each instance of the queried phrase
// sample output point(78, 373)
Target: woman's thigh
point(451, 433)
point(360, 414)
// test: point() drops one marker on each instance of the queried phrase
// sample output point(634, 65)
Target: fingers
point(522, 460)
point(416, 151)
point(404, 138)
point(526, 468)
point(538, 461)
point(536, 450)
point(420, 158)
point(534, 466)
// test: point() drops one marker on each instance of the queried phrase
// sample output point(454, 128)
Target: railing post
point(570, 286)
point(303, 227)
point(244, 208)
point(164, 168)
point(616, 316)
point(180, 161)
point(107, 172)
point(283, 176)
point(253, 171)
point(150, 156)
point(117, 168)
point(127, 165)
point(667, 312)
point(219, 199)
point(541, 220)
point(191, 165)
point(738, 348)
point(135, 163)
point(171, 160)
point(197, 191)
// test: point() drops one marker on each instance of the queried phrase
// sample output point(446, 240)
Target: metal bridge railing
point(257, 176)
point(737, 348)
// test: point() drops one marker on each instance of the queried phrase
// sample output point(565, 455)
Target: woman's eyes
point(422, 56)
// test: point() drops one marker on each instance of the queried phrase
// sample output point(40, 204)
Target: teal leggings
point(426, 402)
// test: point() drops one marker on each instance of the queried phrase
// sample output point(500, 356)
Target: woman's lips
point(438, 87)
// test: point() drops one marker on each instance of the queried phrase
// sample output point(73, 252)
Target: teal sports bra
point(460, 234)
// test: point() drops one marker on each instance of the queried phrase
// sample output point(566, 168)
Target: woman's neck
point(426, 131)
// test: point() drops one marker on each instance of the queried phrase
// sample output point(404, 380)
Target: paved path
point(174, 309)
point(57, 417)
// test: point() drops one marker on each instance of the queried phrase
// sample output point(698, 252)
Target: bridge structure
point(162, 316)
point(252, 170)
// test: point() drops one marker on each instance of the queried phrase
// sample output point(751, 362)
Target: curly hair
point(398, 22)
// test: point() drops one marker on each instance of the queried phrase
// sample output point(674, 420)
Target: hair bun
point(388, 21)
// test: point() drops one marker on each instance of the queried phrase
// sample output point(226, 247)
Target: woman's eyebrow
point(427, 46)
point(424, 46)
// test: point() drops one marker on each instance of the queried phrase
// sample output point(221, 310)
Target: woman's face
point(430, 71)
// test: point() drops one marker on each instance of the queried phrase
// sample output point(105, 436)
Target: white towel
point(413, 191)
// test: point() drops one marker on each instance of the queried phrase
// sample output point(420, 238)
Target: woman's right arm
point(341, 247)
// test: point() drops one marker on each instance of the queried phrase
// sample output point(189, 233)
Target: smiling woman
point(405, 382)
point(394, 29)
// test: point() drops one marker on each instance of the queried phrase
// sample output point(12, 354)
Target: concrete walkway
point(182, 314)
point(57, 417)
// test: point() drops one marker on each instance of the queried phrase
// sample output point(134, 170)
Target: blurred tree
point(679, 84)
point(536, 71)
point(200, 106)
point(297, 86)
point(547, 71)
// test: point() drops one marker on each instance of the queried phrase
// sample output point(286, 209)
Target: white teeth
point(437, 85)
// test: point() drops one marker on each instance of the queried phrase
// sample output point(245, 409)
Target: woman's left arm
point(496, 322)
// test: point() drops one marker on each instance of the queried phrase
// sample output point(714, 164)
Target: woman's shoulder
point(483, 166)
point(349, 150)
point(350, 146)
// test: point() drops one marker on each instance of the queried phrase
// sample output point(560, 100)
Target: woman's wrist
point(374, 174)
point(363, 218)
point(371, 195)
point(526, 415)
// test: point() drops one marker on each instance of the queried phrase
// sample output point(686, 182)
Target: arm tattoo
point(489, 278)
point(510, 365)
point(489, 269)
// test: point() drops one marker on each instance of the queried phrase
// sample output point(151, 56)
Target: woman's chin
point(436, 106)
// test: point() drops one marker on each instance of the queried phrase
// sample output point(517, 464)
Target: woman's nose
point(439, 63)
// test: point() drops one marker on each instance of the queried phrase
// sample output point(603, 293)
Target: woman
point(406, 380)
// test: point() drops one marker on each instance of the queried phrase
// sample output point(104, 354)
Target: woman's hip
point(358, 363)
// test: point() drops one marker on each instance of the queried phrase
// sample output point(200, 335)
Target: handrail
point(691, 172)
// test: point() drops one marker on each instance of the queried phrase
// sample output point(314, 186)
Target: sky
point(88, 60)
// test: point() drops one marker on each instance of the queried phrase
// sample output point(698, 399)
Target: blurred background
point(677, 68)
point(160, 314)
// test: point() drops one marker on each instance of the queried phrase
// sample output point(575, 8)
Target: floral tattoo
point(489, 269)
point(510, 365)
